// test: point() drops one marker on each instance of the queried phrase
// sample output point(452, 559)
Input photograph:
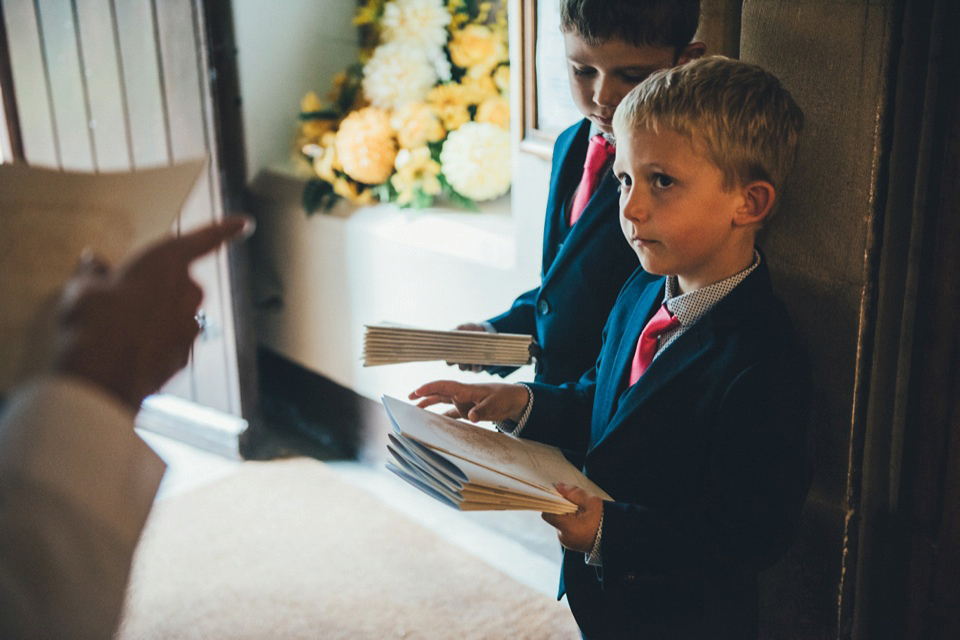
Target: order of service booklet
point(48, 217)
point(388, 343)
point(472, 468)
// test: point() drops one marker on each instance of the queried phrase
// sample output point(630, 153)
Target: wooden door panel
point(118, 85)
point(108, 129)
point(145, 108)
point(64, 75)
point(29, 82)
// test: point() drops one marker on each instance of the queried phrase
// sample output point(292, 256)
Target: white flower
point(476, 160)
point(420, 23)
point(441, 64)
point(397, 74)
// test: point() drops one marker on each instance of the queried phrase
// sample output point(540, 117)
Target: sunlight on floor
point(532, 560)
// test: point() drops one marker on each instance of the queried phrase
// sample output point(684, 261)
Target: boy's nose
point(605, 93)
point(634, 208)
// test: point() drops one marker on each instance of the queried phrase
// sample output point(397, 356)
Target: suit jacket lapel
point(613, 377)
point(590, 222)
point(571, 150)
point(749, 297)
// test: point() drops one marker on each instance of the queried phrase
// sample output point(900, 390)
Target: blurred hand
point(494, 401)
point(469, 326)
point(577, 531)
point(130, 329)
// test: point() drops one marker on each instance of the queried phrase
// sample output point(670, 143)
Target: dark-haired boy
point(611, 46)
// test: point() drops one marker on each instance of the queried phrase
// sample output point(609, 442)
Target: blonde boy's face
point(602, 74)
point(674, 211)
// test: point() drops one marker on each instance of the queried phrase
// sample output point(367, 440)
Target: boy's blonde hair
point(746, 120)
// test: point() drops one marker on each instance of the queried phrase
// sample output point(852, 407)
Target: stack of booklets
point(392, 344)
point(472, 468)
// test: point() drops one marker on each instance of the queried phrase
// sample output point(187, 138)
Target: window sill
point(486, 236)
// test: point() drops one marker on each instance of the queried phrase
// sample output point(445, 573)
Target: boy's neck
point(744, 261)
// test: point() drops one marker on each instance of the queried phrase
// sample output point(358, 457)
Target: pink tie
point(598, 153)
point(661, 321)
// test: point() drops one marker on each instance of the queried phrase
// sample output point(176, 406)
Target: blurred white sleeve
point(76, 487)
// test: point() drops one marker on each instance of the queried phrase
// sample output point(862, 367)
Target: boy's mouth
point(603, 121)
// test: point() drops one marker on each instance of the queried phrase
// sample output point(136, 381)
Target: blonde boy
point(693, 417)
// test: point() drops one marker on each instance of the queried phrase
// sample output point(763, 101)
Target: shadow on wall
point(834, 58)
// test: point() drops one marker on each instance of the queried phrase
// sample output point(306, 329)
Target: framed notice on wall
point(548, 108)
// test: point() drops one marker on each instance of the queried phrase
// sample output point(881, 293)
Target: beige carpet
point(286, 549)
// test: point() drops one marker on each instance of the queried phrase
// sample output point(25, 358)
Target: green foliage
point(317, 195)
point(456, 198)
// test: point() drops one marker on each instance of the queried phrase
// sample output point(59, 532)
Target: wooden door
point(104, 85)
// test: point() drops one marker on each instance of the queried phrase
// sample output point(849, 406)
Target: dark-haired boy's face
point(602, 74)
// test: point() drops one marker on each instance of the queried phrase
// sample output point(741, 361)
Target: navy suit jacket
point(583, 270)
point(703, 457)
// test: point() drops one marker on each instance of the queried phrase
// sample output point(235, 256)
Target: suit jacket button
point(559, 247)
point(543, 307)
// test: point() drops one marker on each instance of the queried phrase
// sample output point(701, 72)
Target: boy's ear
point(758, 200)
point(692, 51)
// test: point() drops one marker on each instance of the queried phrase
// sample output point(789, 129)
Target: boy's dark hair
point(654, 23)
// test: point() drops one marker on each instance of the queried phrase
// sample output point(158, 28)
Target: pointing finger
point(199, 242)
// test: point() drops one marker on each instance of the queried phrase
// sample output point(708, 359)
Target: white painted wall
point(336, 272)
point(285, 49)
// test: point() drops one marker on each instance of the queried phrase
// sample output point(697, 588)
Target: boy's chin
point(650, 266)
point(603, 124)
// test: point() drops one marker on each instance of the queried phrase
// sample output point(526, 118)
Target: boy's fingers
point(576, 495)
point(429, 401)
point(551, 518)
point(444, 388)
point(199, 242)
point(483, 410)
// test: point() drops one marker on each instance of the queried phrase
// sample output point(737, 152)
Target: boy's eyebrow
point(633, 68)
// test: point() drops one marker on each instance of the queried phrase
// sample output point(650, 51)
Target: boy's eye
point(634, 78)
point(623, 182)
point(582, 71)
point(662, 181)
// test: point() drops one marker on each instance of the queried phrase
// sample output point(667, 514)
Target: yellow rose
point(495, 111)
point(478, 49)
point(450, 94)
point(453, 116)
point(450, 102)
point(471, 45)
point(416, 168)
point(324, 164)
point(365, 146)
point(477, 89)
point(352, 192)
point(501, 77)
point(314, 129)
point(416, 124)
point(310, 102)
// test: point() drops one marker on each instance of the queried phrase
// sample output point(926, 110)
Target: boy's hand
point(577, 531)
point(494, 401)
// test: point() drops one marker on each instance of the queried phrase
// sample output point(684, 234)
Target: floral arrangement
point(424, 113)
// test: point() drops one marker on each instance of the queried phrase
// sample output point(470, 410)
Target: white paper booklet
point(47, 218)
point(473, 468)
